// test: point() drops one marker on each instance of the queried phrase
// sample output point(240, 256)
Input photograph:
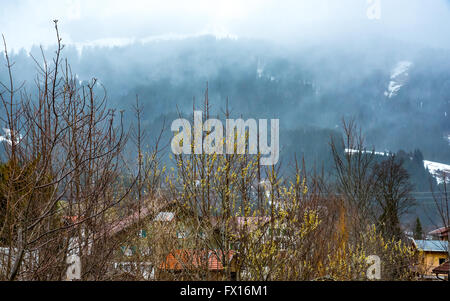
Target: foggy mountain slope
point(309, 89)
point(394, 92)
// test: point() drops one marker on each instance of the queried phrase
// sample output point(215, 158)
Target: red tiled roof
point(72, 219)
point(441, 231)
point(190, 260)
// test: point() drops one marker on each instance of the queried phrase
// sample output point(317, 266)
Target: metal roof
point(432, 245)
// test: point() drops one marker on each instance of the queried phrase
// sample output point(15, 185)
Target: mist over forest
point(396, 92)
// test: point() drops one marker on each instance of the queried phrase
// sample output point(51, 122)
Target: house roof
point(443, 268)
point(431, 245)
point(440, 232)
point(179, 260)
point(72, 219)
point(153, 208)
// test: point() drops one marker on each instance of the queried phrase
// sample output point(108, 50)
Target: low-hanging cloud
point(28, 22)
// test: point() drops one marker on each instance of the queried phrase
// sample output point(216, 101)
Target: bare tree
point(63, 162)
point(353, 166)
point(393, 195)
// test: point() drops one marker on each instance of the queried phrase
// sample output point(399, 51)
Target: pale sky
point(28, 22)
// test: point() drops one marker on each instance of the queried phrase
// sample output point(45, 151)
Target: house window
point(441, 261)
point(128, 251)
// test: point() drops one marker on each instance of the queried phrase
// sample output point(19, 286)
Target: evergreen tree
point(418, 231)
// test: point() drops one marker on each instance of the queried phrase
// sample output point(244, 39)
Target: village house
point(432, 254)
point(442, 272)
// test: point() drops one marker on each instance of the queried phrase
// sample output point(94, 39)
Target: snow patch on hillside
point(354, 151)
point(438, 170)
point(399, 77)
